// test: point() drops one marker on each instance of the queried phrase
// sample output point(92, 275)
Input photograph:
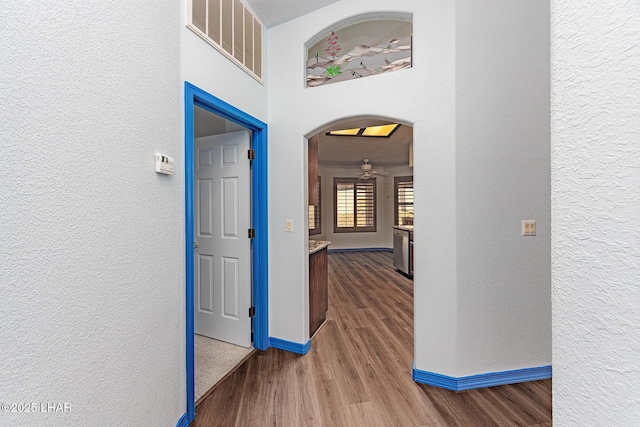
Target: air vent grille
point(199, 14)
point(230, 27)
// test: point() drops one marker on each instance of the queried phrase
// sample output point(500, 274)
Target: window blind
point(365, 204)
point(314, 214)
point(404, 200)
point(344, 204)
point(355, 205)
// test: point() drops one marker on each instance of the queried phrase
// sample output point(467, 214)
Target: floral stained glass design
point(360, 50)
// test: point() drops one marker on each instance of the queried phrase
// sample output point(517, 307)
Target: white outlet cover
point(528, 227)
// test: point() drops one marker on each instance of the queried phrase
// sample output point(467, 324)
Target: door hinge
point(251, 154)
point(252, 312)
point(252, 233)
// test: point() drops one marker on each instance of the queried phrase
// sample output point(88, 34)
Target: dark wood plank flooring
point(358, 372)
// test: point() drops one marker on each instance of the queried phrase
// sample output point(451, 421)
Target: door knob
point(195, 245)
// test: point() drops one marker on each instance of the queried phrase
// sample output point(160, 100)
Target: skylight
point(351, 132)
point(383, 131)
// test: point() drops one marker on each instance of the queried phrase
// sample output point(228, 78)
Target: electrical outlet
point(528, 227)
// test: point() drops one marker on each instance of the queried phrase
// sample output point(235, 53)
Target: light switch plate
point(528, 227)
point(288, 226)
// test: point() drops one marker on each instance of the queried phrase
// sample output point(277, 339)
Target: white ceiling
point(352, 150)
point(275, 12)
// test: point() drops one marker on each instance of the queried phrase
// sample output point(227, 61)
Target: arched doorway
point(361, 193)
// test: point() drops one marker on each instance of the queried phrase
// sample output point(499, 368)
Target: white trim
point(357, 19)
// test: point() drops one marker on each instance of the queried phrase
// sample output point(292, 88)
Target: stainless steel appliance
point(401, 250)
point(411, 254)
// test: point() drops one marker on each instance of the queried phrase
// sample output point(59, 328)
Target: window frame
point(355, 228)
point(396, 181)
point(318, 213)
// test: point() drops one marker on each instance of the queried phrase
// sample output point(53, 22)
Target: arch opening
point(360, 190)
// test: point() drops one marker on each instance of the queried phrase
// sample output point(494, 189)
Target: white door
point(222, 258)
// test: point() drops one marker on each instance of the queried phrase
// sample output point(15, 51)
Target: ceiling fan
point(366, 171)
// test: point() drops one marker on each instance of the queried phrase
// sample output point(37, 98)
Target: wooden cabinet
point(314, 194)
point(318, 290)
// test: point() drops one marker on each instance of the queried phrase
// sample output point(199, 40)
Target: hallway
point(358, 371)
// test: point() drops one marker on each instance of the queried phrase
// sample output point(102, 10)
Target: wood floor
point(358, 371)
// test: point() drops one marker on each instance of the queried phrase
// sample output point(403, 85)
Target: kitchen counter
point(404, 227)
point(317, 245)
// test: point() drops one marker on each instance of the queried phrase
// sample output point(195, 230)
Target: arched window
point(360, 47)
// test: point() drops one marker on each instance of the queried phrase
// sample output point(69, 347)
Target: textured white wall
point(91, 247)
point(296, 112)
point(595, 134)
point(458, 182)
point(503, 177)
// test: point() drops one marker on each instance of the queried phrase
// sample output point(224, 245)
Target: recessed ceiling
point(275, 12)
point(351, 150)
point(382, 131)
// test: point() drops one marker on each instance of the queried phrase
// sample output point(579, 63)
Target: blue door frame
point(195, 96)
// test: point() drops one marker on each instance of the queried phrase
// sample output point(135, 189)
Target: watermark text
point(51, 407)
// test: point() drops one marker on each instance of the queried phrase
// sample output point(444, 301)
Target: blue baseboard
point(291, 346)
point(489, 379)
point(183, 421)
point(362, 250)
